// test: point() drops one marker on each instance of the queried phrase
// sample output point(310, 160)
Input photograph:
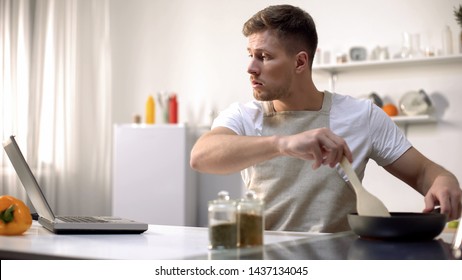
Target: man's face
point(271, 69)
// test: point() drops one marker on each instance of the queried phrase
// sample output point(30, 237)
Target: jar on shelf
point(250, 220)
point(447, 41)
point(222, 222)
point(460, 42)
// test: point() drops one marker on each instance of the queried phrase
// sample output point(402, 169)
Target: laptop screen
point(27, 179)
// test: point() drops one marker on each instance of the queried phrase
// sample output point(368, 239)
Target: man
point(288, 142)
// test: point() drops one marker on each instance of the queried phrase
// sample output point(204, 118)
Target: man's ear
point(302, 61)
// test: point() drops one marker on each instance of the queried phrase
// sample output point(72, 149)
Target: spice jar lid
point(222, 200)
point(251, 196)
point(250, 201)
point(223, 195)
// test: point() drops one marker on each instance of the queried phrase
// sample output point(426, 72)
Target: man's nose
point(253, 68)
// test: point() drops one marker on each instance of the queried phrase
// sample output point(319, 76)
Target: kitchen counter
point(179, 243)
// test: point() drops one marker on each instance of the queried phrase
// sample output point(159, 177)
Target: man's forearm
point(434, 174)
point(228, 153)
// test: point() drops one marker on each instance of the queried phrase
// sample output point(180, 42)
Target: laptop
point(64, 224)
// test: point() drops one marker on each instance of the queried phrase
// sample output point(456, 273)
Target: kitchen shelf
point(391, 63)
point(418, 119)
point(335, 69)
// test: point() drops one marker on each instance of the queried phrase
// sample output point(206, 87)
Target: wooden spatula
point(366, 203)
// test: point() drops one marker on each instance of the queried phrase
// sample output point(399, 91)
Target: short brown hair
point(292, 25)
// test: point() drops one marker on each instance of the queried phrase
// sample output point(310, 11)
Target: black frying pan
point(399, 227)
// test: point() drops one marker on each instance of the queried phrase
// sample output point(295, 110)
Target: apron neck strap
point(268, 106)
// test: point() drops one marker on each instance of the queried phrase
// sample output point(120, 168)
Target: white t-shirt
point(368, 131)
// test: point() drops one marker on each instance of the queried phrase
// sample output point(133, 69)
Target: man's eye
point(259, 56)
point(265, 57)
point(262, 57)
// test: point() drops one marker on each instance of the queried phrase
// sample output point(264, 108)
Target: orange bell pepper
point(15, 217)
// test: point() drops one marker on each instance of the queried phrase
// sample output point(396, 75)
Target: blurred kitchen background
point(74, 74)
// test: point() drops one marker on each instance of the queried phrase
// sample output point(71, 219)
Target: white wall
point(196, 49)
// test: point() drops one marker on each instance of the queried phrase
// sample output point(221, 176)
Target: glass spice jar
point(222, 222)
point(250, 222)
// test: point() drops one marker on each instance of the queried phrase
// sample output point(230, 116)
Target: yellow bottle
point(150, 110)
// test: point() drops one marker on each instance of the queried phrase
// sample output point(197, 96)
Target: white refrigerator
point(152, 178)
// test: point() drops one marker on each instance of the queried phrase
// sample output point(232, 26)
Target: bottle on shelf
point(173, 109)
point(447, 41)
point(150, 110)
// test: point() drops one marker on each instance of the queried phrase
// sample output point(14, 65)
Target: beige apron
point(298, 198)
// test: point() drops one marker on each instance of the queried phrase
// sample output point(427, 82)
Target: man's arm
point(222, 151)
point(439, 186)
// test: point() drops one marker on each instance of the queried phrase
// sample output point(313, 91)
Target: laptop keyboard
point(81, 219)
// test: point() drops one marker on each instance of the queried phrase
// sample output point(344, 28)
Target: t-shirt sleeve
point(388, 140)
point(230, 118)
point(243, 119)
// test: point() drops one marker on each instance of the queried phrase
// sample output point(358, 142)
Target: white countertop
point(158, 242)
point(161, 242)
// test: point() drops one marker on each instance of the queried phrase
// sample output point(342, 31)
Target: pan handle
point(457, 242)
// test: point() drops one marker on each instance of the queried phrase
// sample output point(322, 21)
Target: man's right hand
point(320, 145)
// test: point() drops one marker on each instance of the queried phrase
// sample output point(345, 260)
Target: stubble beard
point(276, 94)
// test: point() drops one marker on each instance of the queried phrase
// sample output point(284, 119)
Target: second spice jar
point(250, 221)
